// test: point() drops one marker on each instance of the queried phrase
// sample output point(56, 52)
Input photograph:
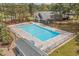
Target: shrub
point(0, 32)
point(5, 39)
point(1, 52)
point(5, 36)
point(77, 52)
point(30, 18)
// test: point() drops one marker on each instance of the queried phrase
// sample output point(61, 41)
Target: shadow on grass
point(77, 40)
point(77, 51)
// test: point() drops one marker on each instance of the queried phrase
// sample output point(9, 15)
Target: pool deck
point(46, 46)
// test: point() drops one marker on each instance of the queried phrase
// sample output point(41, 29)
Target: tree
point(31, 5)
point(44, 7)
point(4, 37)
point(76, 9)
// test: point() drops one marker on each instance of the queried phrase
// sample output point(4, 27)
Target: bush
point(77, 52)
point(5, 36)
point(5, 40)
point(30, 18)
point(0, 32)
point(1, 52)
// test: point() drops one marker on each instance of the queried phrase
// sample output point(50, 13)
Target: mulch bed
point(4, 45)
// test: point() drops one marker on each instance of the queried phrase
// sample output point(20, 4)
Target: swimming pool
point(41, 33)
point(41, 36)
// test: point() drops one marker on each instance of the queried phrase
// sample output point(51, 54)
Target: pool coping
point(62, 44)
point(50, 40)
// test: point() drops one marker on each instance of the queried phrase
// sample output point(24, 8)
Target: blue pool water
point(41, 33)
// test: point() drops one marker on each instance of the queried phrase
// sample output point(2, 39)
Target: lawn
point(72, 47)
point(69, 49)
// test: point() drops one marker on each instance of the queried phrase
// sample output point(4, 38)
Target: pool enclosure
point(24, 48)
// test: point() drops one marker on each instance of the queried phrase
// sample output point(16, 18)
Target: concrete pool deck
point(46, 46)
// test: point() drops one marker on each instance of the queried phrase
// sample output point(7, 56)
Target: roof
point(45, 14)
point(24, 46)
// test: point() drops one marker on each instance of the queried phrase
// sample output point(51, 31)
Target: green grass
point(72, 47)
point(69, 49)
